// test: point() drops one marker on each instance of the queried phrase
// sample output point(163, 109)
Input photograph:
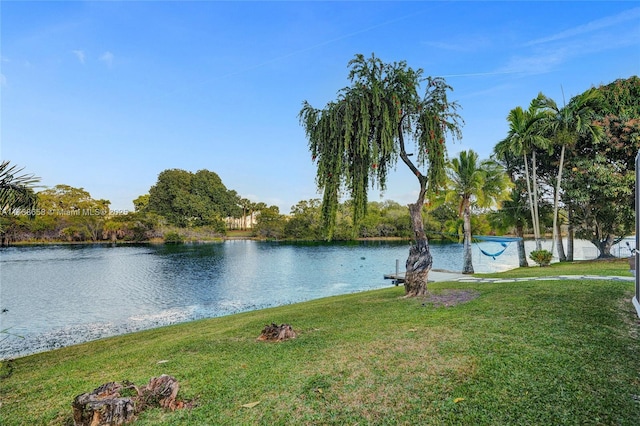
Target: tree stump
point(105, 405)
point(161, 391)
point(277, 333)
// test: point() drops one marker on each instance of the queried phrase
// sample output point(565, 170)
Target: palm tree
point(565, 125)
point(246, 206)
point(484, 184)
point(16, 190)
point(525, 135)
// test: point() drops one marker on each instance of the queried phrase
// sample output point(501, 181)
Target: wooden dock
point(398, 277)
point(435, 275)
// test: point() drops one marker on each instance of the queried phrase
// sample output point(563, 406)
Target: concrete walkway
point(469, 279)
point(435, 275)
point(438, 275)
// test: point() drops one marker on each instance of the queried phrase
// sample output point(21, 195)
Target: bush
point(173, 238)
point(541, 257)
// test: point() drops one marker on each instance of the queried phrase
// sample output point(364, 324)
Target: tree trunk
point(536, 216)
point(604, 246)
point(420, 261)
point(557, 236)
point(532, 209)
point(244, 218)
point(467, 265)
point(561, 254)
point(522, 253)
point(570, 235)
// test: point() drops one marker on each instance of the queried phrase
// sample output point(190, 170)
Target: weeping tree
point(356, 139)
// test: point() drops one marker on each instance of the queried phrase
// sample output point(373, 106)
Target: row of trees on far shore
point(69, 214)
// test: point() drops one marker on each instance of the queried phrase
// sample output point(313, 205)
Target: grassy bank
point(537, 352)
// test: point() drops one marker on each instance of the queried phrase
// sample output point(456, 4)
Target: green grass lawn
point(535, 353)
point(237, 233)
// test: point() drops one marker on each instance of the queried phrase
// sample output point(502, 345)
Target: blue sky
point(106, 95)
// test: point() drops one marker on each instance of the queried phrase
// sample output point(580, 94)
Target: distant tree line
point(66, 213)
point(196, 203)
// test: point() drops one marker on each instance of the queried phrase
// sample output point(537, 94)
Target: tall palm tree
point(565, 125)
point(525, 135)
point(246, 206)
point(469, 181)
point(16, 190)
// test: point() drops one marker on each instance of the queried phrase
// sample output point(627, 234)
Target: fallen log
point(106, 405)
point(277, 333)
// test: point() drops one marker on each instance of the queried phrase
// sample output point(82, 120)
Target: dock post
point(397, 268)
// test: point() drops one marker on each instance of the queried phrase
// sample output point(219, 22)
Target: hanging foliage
point(356, 139)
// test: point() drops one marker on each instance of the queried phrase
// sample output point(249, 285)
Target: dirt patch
point(450, 298)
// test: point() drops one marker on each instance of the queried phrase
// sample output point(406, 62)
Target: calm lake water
point(57, 295)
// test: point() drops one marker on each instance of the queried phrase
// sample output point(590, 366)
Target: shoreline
point(13, 345)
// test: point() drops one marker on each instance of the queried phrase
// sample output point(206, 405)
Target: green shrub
point(173, 238)
point(541, 257)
